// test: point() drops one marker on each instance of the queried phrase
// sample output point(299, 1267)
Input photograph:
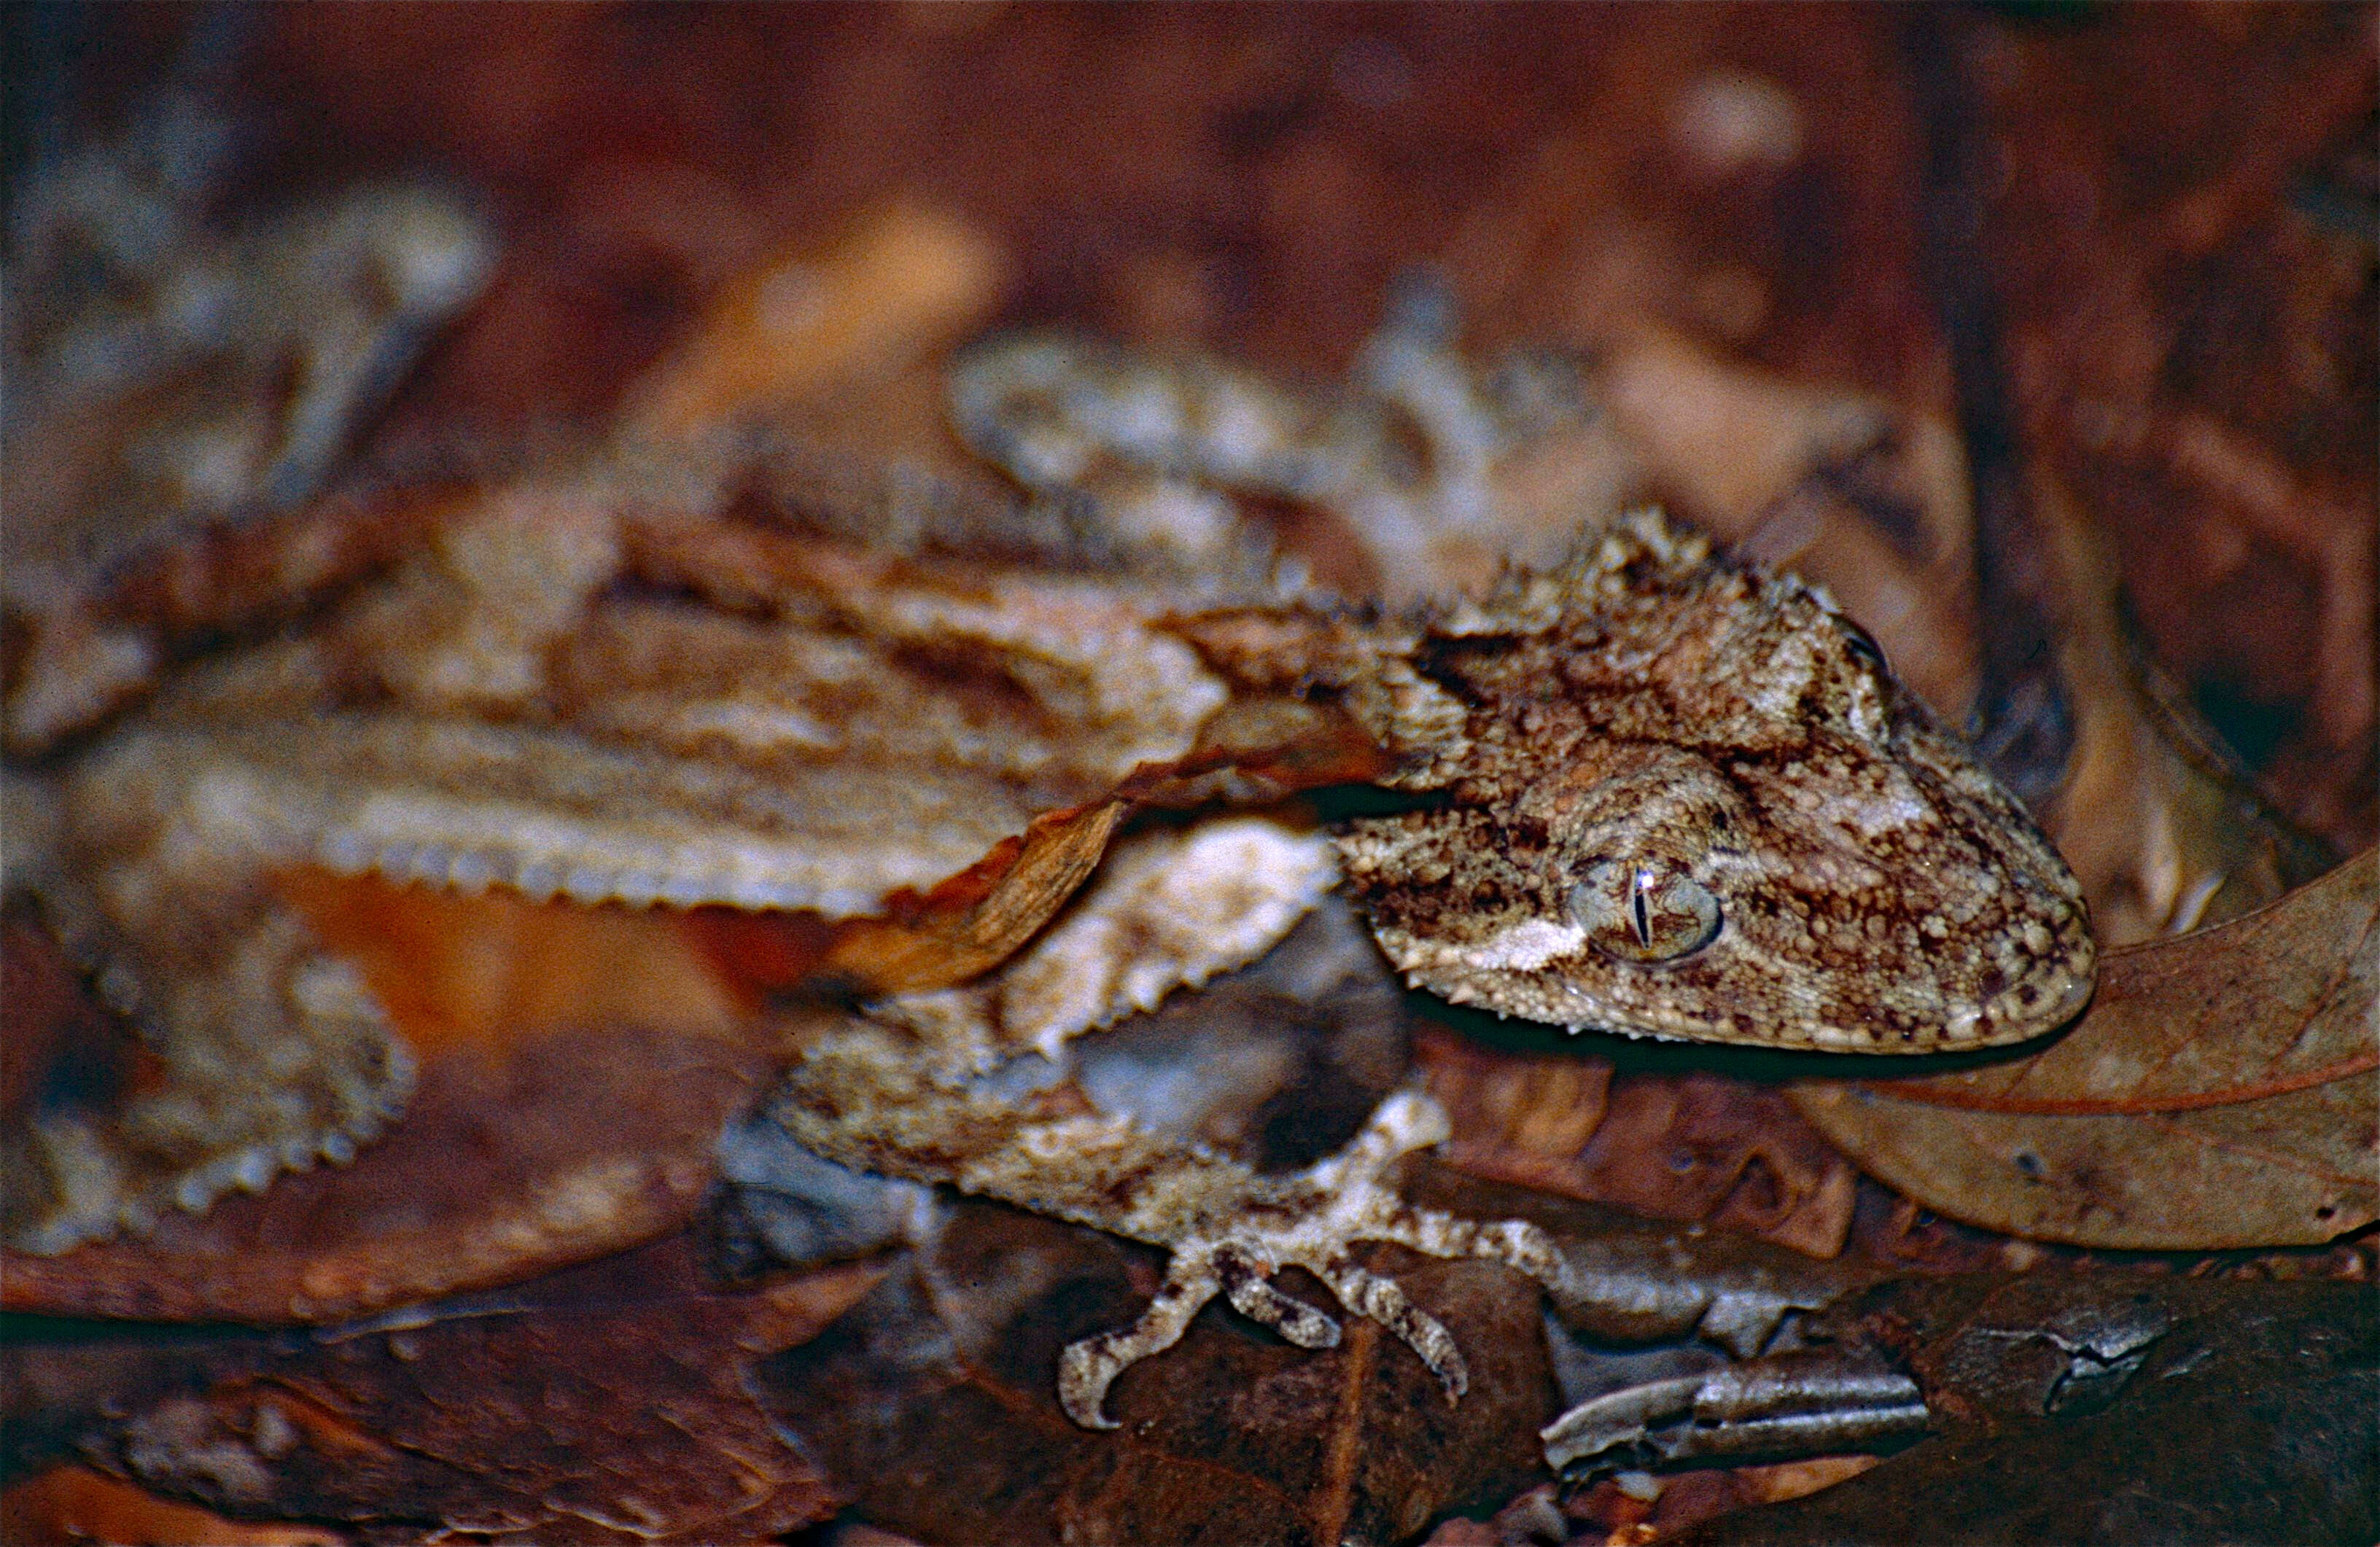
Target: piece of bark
point(2080, 1409)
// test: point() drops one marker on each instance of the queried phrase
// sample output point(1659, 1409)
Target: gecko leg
point(1087, 1369)
point(1516, 1243)
point(1310, 1219)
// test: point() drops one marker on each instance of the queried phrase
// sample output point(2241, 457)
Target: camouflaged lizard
point(1653, 791)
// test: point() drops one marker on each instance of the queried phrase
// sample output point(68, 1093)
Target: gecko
point(1647, 789)
point(165, 368)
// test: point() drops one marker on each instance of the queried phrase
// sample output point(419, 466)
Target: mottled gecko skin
point(1678, 797)
point(1425, 463)
point(1658, 794)
point(1685, 799)
point(165, 368)
point(926, 1086)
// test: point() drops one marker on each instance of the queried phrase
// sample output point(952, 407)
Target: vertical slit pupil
point(1636, 905)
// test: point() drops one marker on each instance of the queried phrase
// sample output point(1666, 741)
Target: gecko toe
point(1293, 1319)
point(1371, 1295)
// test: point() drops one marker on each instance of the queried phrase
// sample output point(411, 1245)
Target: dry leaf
point(2113, 1408)
point(933, 1400)
point(1675, 1146)
point(979, 917)
point(2156, 822)
point(603, 1404)
point(906, 280)
point(1688, 1498)
point(75, 1504)
point(2218, 1094)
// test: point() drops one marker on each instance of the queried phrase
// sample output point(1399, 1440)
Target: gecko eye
point(1863, 645)
point(1649, 912)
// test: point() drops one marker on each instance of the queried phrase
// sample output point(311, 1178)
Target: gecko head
point(1838, 874)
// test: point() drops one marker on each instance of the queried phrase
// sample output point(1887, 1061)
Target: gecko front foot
point(1311, 1219)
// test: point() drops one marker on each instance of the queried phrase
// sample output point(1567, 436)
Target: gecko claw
point(1085, 1372)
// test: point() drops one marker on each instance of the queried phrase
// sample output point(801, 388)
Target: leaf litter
point(1572, 1120)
